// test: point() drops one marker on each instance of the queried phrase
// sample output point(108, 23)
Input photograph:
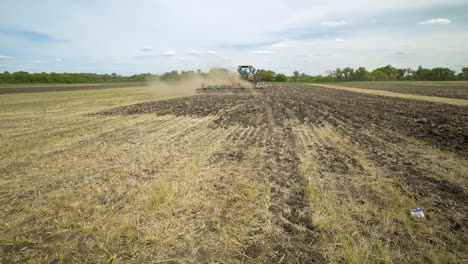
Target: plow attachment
point(233, 88)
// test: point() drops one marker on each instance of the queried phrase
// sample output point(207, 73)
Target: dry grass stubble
point(361, 209)
point(261, 184)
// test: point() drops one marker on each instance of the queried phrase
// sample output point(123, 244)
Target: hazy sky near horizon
point(312, 36)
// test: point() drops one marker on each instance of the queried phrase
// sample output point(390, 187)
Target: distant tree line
point(387, 73)
point(26, 77)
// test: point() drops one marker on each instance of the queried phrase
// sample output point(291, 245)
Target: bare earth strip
point(453, 101)
point(449, 89)
point(62, 88)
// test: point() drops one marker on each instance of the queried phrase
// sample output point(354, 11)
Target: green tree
point(442, 74)
point(361, 74)
point(21, 77)
point(40, 77)
point(464, 73)
point(348, 74)
point(295, 76)
point(266, 75)
point(379, 75)
point(423, 74)
point(170, 76)
point(6, 77)
point(410, 74)
point(401, 73)
point(390, 71)
point(338, 74)
point(281, 78)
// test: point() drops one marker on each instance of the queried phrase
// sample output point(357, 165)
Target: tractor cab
point(247, 72)
point(246, 69)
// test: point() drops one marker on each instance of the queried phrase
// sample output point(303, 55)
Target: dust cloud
point(189, 83)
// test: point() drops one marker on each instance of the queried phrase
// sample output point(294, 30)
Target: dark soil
point(442, 125)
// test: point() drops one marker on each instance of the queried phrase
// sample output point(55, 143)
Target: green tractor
point(247, 72)
point(244, 73)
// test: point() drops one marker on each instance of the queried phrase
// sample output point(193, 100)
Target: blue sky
point(138, 36)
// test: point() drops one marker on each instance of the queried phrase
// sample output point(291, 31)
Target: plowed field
point(300, 174)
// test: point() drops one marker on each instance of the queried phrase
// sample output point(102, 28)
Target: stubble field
point(300, 174)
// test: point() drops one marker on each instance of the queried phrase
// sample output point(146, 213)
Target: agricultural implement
point(244, 73)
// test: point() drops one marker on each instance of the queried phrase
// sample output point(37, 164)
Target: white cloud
point(339, 39)
point(261, 51)
point(197, 52)
point(279, 45)
point(36, 61)
point(5, 57)
point(169, 53)
point(147, 49)
point(438, 21)
point(322, 54)
point(333, 23)
point(58, 60)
